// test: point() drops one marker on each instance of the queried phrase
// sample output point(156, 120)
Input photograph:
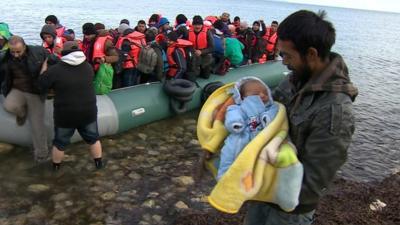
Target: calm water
point(369, 41)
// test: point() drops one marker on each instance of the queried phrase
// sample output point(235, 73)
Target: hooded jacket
point(244, 121)
point(72, 82)
point(321, 126)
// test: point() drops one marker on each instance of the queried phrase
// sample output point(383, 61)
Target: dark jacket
point(75, 98)
point(321, 126)
point(247, 37)
point(36, 55)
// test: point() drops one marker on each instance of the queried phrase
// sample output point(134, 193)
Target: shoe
point(21, 120)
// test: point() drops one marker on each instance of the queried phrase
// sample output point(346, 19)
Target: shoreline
point(347, 202)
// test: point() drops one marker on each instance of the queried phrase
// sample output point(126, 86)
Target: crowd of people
point(159, 50)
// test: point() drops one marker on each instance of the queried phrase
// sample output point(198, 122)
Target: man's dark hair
point(236, 19)
point(275, 22)
point(150, 35)
point(172, 36)
point(141, 22)
point(219, 24)
point(307, 29)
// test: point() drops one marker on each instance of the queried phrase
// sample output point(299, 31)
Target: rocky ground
point(149, 179)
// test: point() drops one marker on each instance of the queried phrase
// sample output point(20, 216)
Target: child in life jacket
point(253, 110)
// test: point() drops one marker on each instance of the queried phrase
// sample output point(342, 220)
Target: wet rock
point(142, 136)
point(183, 180)
point(153, 194)
point(152, 152)
point(69, 158)
point(189, 122)
point(68, 203)
point(157, 218)
point(60, 197)
point(181, 205)
point(119, 174)
point(144, 223)
point(61, 214)
point(37, 188)
point(36, 212)
point(150, 203)
point(135, 176)
point(140, 147)
point(194, 142)
point(113, 167)
point(108, 196)
point(5, 148)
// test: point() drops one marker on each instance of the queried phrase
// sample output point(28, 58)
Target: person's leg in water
point(90, 135)
point(62, 137)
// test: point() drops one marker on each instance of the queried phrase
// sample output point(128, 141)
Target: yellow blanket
point(267, 169)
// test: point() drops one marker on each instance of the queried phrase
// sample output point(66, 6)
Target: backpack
point(118, 66)
point(147, 59)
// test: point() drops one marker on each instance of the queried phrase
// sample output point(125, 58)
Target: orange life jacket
point(58, 43)
point(271, 40)
point(137, 40)
point(60, 31)
point(99, 49)
point(199, 40)
point(180, 44)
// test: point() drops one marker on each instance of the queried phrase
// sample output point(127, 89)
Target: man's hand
point(197, 52)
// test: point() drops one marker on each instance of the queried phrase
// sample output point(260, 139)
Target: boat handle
point(138, 112)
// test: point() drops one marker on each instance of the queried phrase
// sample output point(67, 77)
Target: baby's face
point(255, 88)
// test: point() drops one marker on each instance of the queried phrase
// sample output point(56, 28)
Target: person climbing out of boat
point(253, 110)
point(271, 39)
point(141, 26)
point(51, 42)
point(130, 44)
point(74, 102)
point(19, 70)
point(318, 96)
point(182, 28)
point(176, 56)
point(53, 21)
point(5, 34)
point(203, 47)
point(259, 30)
point(246, 35)
point(97, 46)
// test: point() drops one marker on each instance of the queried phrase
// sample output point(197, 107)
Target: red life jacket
point(60, 31)
point(271, 40)
point(99, 49)
point(137, 40)
point(199, 40)
point(58, 43)
point(180, 44)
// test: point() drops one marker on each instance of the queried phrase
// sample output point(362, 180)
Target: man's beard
point(302, 75)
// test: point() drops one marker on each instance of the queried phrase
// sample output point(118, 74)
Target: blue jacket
point(244, 121)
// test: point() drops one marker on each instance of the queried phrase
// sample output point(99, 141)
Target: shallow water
point(367, 40)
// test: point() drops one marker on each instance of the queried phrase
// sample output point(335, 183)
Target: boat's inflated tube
point(180, 92)
point(179, 88)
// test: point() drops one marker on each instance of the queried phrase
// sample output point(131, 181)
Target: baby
point(253, 110)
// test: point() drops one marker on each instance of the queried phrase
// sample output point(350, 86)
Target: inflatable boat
point(126, 108)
